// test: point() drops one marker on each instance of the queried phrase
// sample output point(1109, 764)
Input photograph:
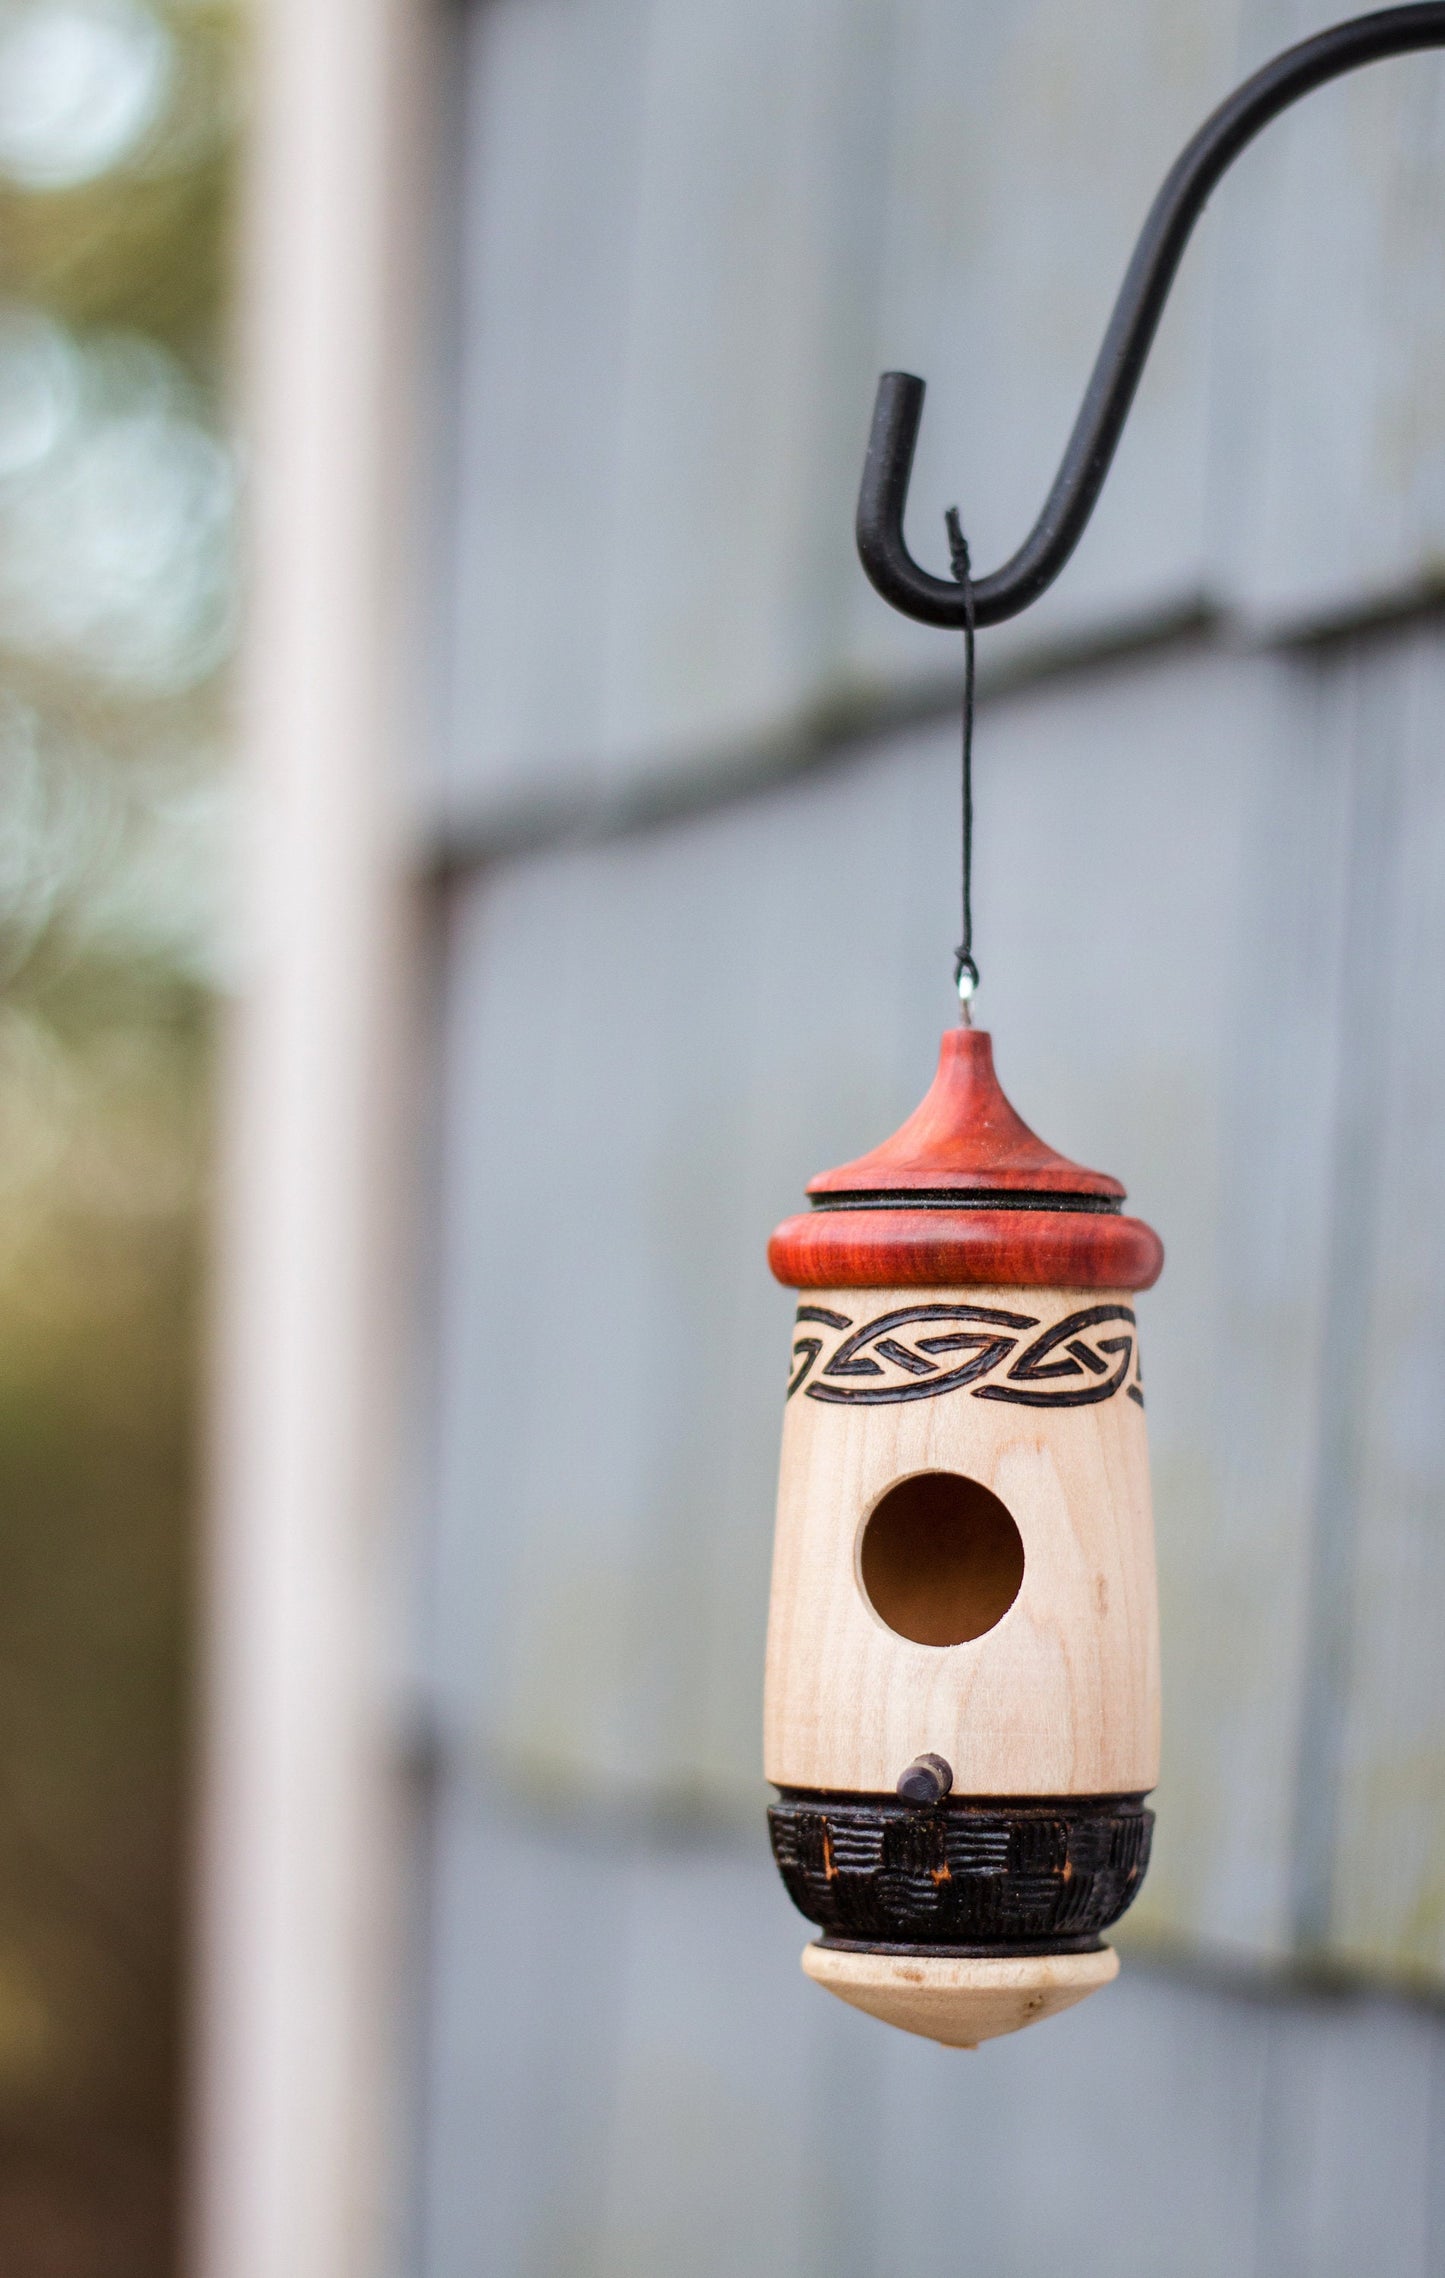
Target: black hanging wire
point(965, 972)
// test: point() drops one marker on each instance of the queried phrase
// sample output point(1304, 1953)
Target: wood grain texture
point(963, 1147)
point(1377, 1810)
point(960, 2003)
point(1034, 1249)
point(1062, 1696)
point(965, 1135)
point(655, 187)
point(1325, 470)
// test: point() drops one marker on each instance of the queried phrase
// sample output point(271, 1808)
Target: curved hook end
point(882, 500)
point(1225, 133)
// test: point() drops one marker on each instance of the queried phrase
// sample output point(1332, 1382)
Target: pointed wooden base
point(960, 2002)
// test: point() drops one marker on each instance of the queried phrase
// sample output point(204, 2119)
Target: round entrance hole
point(941, 1560)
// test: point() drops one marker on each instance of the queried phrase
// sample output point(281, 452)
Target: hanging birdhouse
point(962, 1702)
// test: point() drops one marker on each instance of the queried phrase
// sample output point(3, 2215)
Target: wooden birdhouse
point(962, 1703)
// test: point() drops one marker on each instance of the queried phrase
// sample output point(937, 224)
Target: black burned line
point(1067, 1366)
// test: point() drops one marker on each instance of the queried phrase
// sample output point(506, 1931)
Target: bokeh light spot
point(82, 82)
point(39, 388)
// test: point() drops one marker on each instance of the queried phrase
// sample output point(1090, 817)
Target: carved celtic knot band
point(919, 1351)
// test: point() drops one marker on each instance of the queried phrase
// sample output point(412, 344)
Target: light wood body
point(1062, 1696)
point(957, 2001)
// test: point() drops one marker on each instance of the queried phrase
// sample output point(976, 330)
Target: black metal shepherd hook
point(1090, 450)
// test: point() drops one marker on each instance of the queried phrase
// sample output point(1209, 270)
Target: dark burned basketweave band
point(991, 1875)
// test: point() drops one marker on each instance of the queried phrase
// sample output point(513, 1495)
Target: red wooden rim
point(965, 1193)
point(898, 1249)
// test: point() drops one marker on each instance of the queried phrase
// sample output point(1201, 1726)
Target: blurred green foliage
point(145, 245)
point(112, 843)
